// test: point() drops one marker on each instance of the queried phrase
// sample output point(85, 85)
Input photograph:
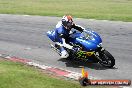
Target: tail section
point(51, 35)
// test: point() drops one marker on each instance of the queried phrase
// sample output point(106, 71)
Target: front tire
point(107, 59)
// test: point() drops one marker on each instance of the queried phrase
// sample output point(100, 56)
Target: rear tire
point(107, 59)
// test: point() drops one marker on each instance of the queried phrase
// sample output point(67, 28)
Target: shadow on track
point(77, 64)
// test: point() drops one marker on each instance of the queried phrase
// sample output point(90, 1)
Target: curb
point(57, 71)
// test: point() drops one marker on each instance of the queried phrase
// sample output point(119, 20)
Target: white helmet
point(67, 21)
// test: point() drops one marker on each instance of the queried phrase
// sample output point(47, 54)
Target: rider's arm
point(65, 44)
point(77, 27)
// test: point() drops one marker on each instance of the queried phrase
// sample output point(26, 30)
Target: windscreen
point(87, 35)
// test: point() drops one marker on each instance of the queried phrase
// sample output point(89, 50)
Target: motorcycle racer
point(85, 45)
point(62, 33)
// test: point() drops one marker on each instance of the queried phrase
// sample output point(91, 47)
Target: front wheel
point(106, 59)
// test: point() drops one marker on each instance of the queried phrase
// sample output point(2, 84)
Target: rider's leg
point(64, 53)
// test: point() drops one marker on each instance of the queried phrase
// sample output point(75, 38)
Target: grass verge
point(17, 75)
point(91, 9)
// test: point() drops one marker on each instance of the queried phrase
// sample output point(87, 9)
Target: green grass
point(91, 9)
point(17, 75)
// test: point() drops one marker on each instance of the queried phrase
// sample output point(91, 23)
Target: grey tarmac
point(25, 36)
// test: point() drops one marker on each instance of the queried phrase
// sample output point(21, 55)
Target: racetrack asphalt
point(24, 36)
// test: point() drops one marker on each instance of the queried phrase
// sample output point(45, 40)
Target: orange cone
point(84, 74)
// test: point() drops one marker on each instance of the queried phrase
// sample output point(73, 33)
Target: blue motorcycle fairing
point(90, 43)
point(96, 36)
point(89, 46)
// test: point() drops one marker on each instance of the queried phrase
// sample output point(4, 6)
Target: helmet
point(67, 21)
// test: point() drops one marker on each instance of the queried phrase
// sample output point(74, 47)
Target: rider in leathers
point(62, 33)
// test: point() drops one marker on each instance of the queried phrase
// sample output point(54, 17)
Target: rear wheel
point(106, 59)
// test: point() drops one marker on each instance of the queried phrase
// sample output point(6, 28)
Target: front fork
point(98, 52)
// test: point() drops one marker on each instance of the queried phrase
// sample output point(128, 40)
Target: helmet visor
point(69, 25)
